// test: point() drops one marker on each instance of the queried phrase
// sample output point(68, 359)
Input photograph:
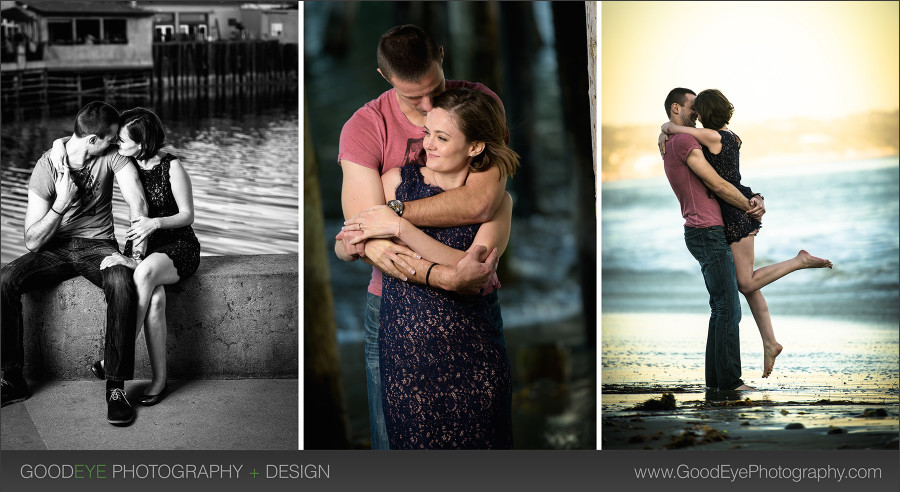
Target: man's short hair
point(676, 95)
point(407, 52)
point(95, 118)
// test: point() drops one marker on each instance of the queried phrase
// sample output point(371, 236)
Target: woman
point(444, 367)
point(173, 251)
point(721, 147)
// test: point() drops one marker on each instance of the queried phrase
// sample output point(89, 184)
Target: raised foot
point(769, 354)
point(744, 387)
point(810, 261)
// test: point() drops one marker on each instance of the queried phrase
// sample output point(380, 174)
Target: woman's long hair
point(480, 118)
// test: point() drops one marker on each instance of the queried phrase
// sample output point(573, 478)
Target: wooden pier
point(218, 65)
point(224, 63)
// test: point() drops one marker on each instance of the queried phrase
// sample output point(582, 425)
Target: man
point(69, 231)
point(704, 233)
point(386, 133)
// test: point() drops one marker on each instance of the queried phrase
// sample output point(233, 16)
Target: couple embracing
point(424, 174)
point(722, 219)
point(69, 232)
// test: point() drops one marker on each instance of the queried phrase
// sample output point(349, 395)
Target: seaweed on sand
point(699, 434)
point(666, 402)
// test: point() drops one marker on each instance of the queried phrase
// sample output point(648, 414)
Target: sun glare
point(772, 59)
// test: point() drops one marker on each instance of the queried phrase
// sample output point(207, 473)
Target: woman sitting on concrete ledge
point(173, 251)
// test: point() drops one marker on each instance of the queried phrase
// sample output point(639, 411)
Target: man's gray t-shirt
point(90, 215)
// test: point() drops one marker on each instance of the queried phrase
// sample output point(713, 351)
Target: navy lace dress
point(181, 244)
point(444, 367)
point(738, 224)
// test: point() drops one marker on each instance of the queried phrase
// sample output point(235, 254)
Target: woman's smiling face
point(127, 146)
point(445, 145)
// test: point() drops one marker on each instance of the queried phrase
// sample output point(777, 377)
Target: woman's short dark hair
point(713, 108)
point(144, 127)
point(407, 52)
point(95, 118)
point(480, 118)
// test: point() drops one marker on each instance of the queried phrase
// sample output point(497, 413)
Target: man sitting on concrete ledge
point(69, 231)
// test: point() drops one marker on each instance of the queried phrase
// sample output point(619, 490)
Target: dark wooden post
point(325, 421)
point(569, 24)
point(486, 58)
point(520, 42)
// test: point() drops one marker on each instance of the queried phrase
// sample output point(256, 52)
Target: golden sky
point(771, 59)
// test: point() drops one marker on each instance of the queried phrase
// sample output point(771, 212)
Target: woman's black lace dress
point(444, 367)
point(181, 245)
point(738, 224)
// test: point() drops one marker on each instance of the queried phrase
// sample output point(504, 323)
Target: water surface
point(239, 148)
point(839, 327)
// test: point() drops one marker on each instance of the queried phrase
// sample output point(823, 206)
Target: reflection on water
point(239, 148)
point(822, 359)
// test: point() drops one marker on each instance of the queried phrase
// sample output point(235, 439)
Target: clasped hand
point(757, 207)
point(118, 259)
point(379, 221)
point(141, 228)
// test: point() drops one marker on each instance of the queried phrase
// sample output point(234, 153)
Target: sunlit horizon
point(811, 82)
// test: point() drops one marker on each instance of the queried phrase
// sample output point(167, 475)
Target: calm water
point(839, 327)
point(240, 150)
point(844, 211)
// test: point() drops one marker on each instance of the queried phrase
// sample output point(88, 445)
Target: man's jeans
point(723, 345)
point(373, 374)
point(60, 260)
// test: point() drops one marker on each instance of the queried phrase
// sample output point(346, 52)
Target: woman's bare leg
point(150, 275)
point(751, 281)
point(155, 334)
point(744, 256)
point(771, 347)
point(156, 269)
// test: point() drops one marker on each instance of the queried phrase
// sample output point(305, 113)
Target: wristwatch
point(396, 206)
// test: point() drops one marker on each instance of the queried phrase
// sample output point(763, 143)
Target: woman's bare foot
point(810, 261)
point(744, 387)
point(769, 354)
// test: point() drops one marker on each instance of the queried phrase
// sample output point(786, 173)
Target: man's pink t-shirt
point(697, 208)
point(379, 136)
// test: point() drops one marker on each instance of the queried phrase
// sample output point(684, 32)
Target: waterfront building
point(62, 51)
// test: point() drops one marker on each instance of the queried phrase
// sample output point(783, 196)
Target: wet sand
point(754, 424)
point(835, 386)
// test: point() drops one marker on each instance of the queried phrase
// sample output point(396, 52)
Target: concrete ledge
point(237, 317)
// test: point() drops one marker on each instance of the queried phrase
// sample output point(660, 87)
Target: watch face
point(396, 206)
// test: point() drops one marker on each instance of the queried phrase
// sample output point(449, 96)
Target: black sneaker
point(13, 390)
point(118, 410)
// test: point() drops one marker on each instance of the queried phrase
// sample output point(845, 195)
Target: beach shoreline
point(754, 425)
point(835, 386)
